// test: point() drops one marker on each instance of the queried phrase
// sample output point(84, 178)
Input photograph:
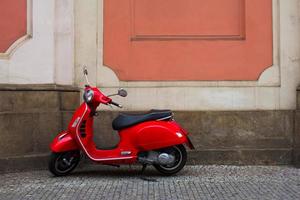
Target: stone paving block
point(194, 182)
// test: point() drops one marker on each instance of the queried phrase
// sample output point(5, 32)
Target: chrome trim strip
point(94, 159)
point(162, 119)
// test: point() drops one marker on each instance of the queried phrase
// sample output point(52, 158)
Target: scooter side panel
point(81, 127)
point(63, 142)
point(159, 134)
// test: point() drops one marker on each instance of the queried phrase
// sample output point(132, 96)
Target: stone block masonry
point(31, 116)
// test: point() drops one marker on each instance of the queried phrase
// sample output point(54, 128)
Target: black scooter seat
point(125, 120)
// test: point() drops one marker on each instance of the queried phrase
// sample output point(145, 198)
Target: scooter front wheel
point(180, 155)
point(61, 164)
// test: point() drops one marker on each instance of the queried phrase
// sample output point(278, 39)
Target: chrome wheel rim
point(66, 161)
point(178, 159)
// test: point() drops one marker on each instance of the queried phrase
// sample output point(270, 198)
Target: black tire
point(58, 165)
point(180, 156)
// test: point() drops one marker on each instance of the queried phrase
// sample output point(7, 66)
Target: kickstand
point(144, 177)
point(143, 168)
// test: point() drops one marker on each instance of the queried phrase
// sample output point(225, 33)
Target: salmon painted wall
point(274, 90)
point(188, 40)
point(37, 42)
point(13, 22)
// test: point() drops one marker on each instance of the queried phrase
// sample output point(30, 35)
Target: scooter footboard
point(63, 142)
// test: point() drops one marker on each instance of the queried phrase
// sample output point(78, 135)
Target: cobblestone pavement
point(194, 182)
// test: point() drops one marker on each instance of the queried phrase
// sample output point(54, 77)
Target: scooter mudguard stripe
point(63, 142)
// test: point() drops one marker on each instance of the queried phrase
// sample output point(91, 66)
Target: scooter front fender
point(63, 142)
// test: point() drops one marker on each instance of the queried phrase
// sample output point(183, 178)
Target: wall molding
point(270, 77)
point(159, 37)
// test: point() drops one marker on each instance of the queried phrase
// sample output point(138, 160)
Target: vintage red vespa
point(151, 138)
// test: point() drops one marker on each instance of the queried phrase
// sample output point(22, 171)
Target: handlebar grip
point(116, 104)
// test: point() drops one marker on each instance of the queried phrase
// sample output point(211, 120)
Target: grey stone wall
point(31, 116)
point(248, 137)
point(296, 146)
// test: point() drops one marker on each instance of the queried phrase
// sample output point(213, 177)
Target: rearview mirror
point(122, 92)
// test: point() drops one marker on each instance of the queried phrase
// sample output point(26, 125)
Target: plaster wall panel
point(13, 23)
point(37, 58)
point(275, 88)
point(64, 42)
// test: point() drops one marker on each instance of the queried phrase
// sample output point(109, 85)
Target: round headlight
point(88, 96)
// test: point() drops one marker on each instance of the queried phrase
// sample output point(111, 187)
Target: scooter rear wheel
point(180, 160)
point(61, 164)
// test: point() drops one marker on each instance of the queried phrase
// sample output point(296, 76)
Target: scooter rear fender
point(188, 142)
point(63, 142)
point(159, 134)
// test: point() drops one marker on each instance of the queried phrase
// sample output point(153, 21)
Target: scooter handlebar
point(116, 104)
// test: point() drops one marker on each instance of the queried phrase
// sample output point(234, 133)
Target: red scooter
point(153, 138)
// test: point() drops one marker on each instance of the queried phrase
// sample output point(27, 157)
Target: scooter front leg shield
point(63, 142)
